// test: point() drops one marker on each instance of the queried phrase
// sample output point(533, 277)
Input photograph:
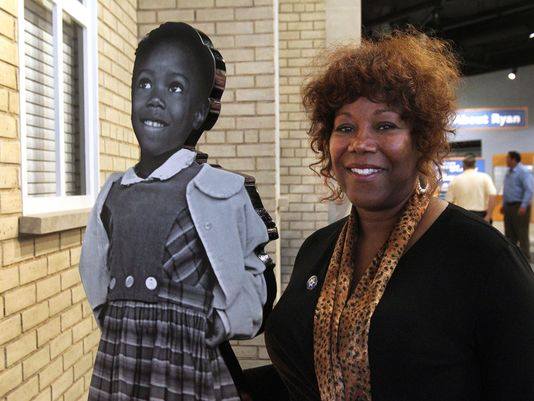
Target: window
point(58, 105)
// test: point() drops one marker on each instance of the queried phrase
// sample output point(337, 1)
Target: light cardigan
point(230, 230)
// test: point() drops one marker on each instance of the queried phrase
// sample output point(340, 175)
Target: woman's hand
point(216, 333)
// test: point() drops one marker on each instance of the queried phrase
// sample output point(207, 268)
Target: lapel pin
point(311, 283)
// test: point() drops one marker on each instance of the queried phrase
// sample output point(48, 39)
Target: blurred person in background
point(517, 199)
point(473, 190)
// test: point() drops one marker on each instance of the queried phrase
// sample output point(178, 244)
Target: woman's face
point(373, 156)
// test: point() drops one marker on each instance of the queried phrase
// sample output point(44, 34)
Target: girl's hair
point(209, 63)
point(408, 70)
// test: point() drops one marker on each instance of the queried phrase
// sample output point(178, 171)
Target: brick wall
point(243, 138)
point(48, 336)
point(301, 36)
point(117, 41)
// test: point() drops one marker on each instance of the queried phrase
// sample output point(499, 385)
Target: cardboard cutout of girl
point(168, 261)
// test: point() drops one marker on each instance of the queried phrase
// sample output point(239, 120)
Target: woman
point(409, 298)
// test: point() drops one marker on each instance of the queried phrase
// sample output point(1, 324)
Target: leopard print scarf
point(342, 319)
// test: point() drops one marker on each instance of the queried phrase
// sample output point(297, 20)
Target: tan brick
point(254, 40)
point(70, 238)
point(58, 261)
point(46, 244)
point(146, 16)
point(16, 250)
point(234, 137)
point(254, 67)
point(50, 373)
point(256, 122)
point(60, 344)
point(233, 3)
point(10, 379)
point(73, 354)
point(176, 15)
point(14, 102)
point(265, 53)
point(75, 392)
point(23, 346)
point(257, 150)
point(82, 366)
point(91, 341)
point(62, 384)
point(9, 278)
point(9, 152)
point(75, 255)
point(35, 362)
point(33, 270)
point(77, 293)
point(251, 136)
point(156, 4)
point(8, 174)
point(194, 3)
point(245, 352)
point(45, 395)
point(243, 95)
point(10, 202)
point(254, 13)
point(231, 28)
point(8, 77)
point(19, 298)
point(4, 96)
point(71, 317)
point(33, 316)
point(86, 308)
point(48, 287)
point(8, 129)
point(59, 302)
point(7, 25)
point(48, 331)
point(26, 391)
point(82, 329)
point(10, 328)
point(221, 14)
point(70, 278)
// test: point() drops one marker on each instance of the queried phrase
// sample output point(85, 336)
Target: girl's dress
point(159, 298)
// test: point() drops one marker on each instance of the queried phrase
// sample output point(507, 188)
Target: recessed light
point(512, 74)
point(531, 36)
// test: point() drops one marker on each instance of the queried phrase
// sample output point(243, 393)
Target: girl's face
point(165, 99)
point(373, 156)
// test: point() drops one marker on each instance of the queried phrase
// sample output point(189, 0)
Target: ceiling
point(489, 35)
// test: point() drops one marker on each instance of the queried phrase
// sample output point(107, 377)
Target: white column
point(343, 25)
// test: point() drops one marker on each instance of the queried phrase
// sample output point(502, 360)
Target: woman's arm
point(505, 329)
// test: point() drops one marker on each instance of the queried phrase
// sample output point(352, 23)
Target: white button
point(207, 226)
point(129, 281)
point(151, 283)
point(112, 283)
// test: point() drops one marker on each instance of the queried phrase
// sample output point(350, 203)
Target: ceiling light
point(512, 74)
point(531, 36)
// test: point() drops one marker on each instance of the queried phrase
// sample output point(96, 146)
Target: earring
point(339, 192)
point(419, 188)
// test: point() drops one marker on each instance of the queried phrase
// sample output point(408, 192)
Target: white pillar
point(343, 25)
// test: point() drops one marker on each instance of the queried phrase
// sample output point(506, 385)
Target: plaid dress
point(156, 350)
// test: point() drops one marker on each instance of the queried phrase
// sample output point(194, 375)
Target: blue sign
point(491, 118)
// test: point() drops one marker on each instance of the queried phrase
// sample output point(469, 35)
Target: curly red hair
point(409, 70)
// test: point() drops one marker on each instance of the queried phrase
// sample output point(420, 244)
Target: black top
point(456, 321)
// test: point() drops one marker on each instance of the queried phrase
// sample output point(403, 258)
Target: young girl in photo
point(168, 261)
